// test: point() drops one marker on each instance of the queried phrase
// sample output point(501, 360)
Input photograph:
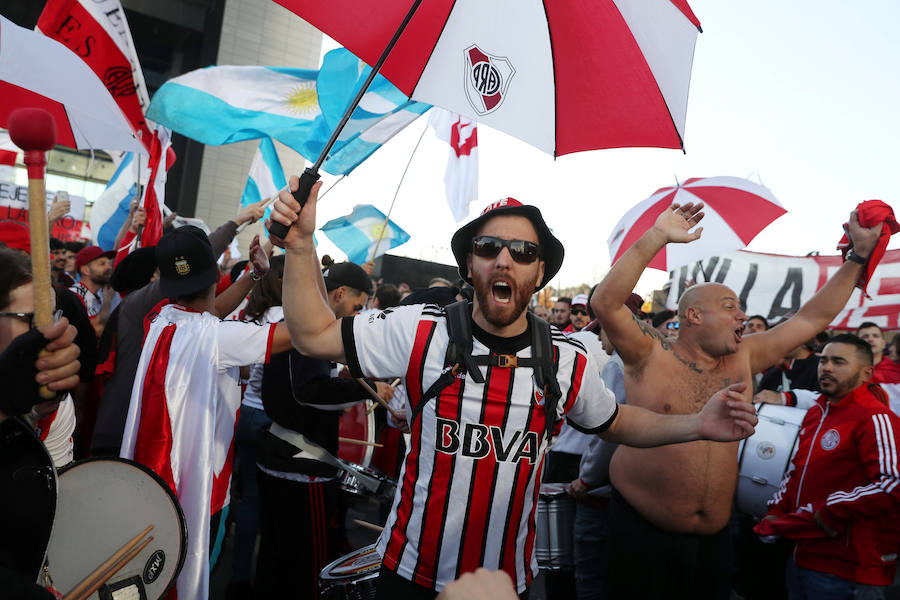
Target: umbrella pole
point(397, 191)
point(311, 174)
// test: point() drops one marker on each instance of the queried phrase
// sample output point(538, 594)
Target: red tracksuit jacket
point(846, 468)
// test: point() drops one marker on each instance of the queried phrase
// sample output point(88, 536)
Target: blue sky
point(804, 95)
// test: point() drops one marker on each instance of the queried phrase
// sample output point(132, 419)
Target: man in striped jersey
point(469, 484)
point(840, 500)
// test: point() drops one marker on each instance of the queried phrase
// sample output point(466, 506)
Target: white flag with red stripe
point(98, 32)
point(461, 176)
point(8, 153)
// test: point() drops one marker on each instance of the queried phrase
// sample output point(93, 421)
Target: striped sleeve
point(379, 344)
point(877, 443)
point(590, 406)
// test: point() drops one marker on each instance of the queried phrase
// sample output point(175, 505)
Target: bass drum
point(357, 423)
point(351, 577)
point(765, 457)
point(102, 504)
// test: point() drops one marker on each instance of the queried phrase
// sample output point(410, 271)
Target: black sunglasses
point(522, 251)
point(25, 317)
point(579, 311)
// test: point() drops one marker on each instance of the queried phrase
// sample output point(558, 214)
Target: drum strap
point(307, 448)
point(311, 450)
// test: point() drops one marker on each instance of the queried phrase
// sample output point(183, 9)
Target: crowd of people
point(233, 376)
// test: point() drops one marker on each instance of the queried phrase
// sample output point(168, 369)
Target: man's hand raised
point(287, 211)
point(864, 238)
point(675, 222)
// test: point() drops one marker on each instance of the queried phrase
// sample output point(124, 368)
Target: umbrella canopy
point(736, 211)
point(36, 71)
point(561, 76)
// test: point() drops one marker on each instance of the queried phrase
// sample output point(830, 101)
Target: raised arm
point(814, 316)
point(632, 339)
point(314, 330)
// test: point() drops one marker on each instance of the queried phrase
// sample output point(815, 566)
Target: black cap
point(552, 251)
point(349, 274)
point(135, 270)
point(186, 262)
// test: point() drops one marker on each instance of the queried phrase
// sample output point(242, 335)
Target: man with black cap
point(479, 427)
point(299, 492)
point(186, 393)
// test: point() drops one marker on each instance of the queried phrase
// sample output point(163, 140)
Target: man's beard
point(101, 279)
point(506, 315)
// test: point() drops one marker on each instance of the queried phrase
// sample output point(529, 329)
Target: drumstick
point(393, 385)
point(34, 131)
point(108, 575)
point(360, 442)
point(379, 399)
point(368, 525)
point(86, 582)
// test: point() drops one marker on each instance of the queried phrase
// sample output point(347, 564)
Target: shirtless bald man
point(671, 504)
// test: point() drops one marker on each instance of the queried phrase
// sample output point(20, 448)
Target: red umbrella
point(736, 211)
point(562, 76)
point(36, 71)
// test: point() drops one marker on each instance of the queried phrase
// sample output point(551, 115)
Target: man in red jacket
point(840, 501)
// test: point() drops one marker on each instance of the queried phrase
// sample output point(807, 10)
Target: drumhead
point(102, 504)
point(360, 564)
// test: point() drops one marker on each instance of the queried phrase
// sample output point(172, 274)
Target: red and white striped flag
point(461, 177)
point(8, 152)
point(98, 32)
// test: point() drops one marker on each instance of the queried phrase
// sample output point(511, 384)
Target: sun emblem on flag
point(379, 231)
point(302, 100)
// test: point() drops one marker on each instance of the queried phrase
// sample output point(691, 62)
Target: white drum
point(102, 504)
point(764, 457)
point(351, 577)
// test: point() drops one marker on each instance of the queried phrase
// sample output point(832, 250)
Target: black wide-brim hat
point(551, 249)
point(135, 270)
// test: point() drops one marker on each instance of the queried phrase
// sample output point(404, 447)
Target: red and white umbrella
point(563, 76)
point(736, 211)
point(36, 71)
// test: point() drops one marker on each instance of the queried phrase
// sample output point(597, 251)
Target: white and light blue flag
point(298, 107)
point(110, 209)
point(359, 233)
point(266, 175)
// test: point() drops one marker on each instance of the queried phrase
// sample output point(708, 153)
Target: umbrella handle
point(309, 177)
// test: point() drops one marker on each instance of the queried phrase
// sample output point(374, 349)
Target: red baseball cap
point(89, 253)
point(15, 235)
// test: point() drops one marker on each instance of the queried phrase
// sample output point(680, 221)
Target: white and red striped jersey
point(470, 480)
point(184, 405)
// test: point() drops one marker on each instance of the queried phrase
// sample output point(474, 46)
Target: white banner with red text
point(14, 207)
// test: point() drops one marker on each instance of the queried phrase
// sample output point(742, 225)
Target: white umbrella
point(736, 211)
point(36, 71)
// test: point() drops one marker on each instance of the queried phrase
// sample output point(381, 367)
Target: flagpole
point(311, 174)
point(275, 197)
point(397, 191)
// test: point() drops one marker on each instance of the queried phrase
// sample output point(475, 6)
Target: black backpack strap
point(458, 358)
point(546, 363)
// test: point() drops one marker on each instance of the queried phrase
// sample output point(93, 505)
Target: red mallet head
point(34, 131)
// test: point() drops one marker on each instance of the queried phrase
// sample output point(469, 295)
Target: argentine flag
point(266, 176)
point(298, 107)
point(110, 209)
point(358, 234)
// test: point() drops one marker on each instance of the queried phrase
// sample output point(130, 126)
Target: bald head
point(701, 294)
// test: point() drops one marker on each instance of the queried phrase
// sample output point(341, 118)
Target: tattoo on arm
point(666, 344)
